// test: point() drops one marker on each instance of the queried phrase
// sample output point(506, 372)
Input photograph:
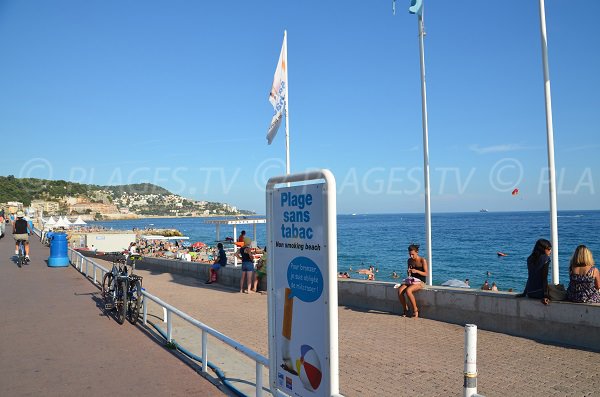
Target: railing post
point(169, 326)
point(470, 368)
point(259, 383)
point(164, 314)
point(204, 351)
point(94, 266)
point(86, 268)
point(145, 305)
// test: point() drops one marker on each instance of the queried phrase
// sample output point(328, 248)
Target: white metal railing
point(81, 262)
point(260, 361)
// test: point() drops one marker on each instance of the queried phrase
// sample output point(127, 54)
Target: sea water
point(465, 245)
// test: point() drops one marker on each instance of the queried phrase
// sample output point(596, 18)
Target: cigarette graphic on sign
point(286, 332)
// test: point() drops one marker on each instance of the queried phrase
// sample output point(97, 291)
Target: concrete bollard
point(470, 369)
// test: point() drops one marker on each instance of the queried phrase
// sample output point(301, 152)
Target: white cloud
point(511, 147)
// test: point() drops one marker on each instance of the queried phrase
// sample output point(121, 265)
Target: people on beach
point(220, 260)
point(486, 286)
point(245, 254)
point(467, 281)
point(494, 287)
point(584, 277)
point(537, 272)
point(417, 273)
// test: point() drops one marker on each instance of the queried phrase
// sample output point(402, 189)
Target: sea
point(464, 245)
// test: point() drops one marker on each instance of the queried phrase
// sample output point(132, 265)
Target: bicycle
point(21, 258)
point(134, 297)
point(114, 287)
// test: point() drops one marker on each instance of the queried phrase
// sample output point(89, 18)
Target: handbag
point(557, 292)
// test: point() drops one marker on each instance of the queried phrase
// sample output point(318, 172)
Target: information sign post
point(302, 284)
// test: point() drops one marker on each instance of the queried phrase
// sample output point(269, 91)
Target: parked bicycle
point(122, 292)
point(114, 285)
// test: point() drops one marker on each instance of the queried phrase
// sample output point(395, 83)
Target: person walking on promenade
point(417, 273)
point(537, 272)
point(21, 231)
point(221, 260)
point(2, 224)
point(245, 254)
point(584, 277)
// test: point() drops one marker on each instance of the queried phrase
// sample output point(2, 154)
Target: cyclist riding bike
point(21, 232)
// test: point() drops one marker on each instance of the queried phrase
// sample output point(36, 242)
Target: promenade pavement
point(57, 341)
point(382, 354)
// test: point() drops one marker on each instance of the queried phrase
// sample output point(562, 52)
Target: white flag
point(278, 94)
point(274, 127)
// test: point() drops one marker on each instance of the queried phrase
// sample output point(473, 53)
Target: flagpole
point(550, 137)
point(417, 8)
point(287, 109)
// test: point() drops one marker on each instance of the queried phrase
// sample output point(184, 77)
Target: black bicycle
point(21, 258)
point(114, 287)
point(134, 297)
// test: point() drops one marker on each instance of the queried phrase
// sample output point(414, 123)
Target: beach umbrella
point(198, 244)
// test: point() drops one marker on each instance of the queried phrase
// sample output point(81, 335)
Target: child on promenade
point(417, 273)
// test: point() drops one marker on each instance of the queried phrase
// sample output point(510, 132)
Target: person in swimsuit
point(584, 277)
point(417, 273)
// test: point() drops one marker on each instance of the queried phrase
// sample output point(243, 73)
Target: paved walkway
point(382, 354)
point(56, 340)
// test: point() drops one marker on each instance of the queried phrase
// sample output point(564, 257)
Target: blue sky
point(176, 93)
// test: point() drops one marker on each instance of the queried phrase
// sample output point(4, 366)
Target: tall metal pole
point(425, 148)
point(550, 135)
point(287, 109)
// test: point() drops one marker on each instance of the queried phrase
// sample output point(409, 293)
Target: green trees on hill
point(27, 189)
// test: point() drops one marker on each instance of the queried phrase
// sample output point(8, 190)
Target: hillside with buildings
point(102, 202)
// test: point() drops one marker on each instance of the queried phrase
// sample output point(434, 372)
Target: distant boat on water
point(483, 210)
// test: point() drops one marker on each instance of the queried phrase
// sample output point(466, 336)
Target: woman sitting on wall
point(417, 273)
point(537, 272)
point(584, 277)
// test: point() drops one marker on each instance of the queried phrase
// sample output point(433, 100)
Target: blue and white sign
point(302, 278)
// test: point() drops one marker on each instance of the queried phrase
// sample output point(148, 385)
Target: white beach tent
point(50, 222)
point(79, 222)
point(62, 222)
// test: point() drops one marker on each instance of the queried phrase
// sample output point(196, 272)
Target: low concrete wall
point(228, 276)
point(560, 322)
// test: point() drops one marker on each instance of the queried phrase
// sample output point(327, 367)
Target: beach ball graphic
point(309, 368)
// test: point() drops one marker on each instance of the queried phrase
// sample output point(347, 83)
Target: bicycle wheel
point(107, 282)
point(120, 301)
point(134, 301)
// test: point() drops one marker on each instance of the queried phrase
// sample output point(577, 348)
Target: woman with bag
point(417, 273)
point(584, 277)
